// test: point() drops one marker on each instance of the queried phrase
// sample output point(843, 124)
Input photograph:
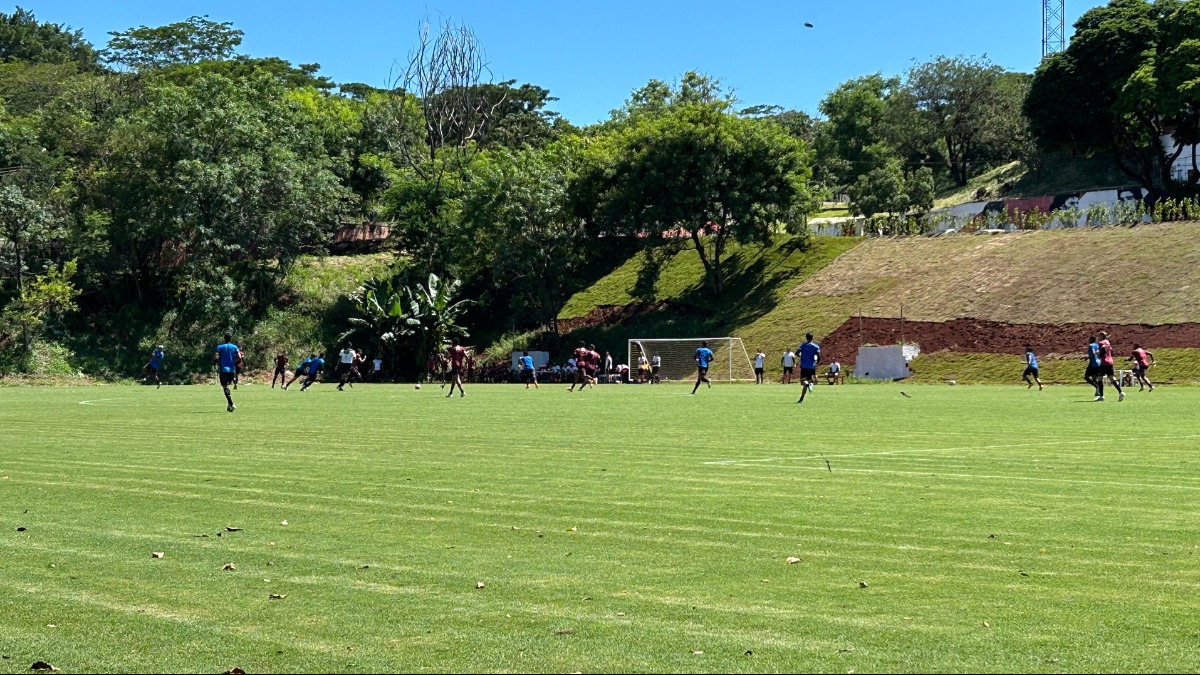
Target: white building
point(1186, 161)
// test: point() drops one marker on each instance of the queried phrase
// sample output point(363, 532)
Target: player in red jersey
point(281, 369)
point(456, 355)
point(1142, 360)
point(1106, 367)
point(581, 356)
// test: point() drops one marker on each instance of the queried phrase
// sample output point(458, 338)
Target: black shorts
point(227, 378)
point(1106, 370)
point(528, 376)
point(1139, 370)
point(787, 370)
point(655, 369)
point(758, 371)
point(455, 372)
point(809, 374)
point(151, 369)
point(702, 371)
point(1091, 372)
point(1030, 370)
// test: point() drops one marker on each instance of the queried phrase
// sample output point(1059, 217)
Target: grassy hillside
point(1147, 274)
point(1058, 174)
point(755, 305)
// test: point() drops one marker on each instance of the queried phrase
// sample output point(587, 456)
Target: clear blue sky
point(591, 55)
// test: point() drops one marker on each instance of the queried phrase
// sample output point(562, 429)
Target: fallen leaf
point(229, 567)
point(50, 625)
point(991, 536)
point(567, 631)
point(364, 567)
point(277, 596)
point(620, 613)
point(42, 665)
point(284, 523)
point(53, 566)
point(156, 554)
point(792, 560)
point(21, 529)
point(233, 529)
point(863, 584)
point(1024, 574)
point(845, 650)
point(515, 528)
point(765, 581)
point(235, 671)
point(200, 536)
point(749, 653)
point(270, 543)
point(270, 563)
point(479, 584)
point(698, 652)
point(572, 529)
point(987, 625)
point(905, 395)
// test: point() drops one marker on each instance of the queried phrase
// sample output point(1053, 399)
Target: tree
point(517, 210)
point(23, 223)
point(181, 43)
point(699, 172)
point(433, 316)
point(382, 319)
point(1127, 81)
point(888, 189)
point(24, 38)
point(962, 100)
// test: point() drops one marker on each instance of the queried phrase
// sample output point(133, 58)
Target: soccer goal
point(730, 362)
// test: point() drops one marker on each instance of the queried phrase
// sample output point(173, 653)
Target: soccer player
point(314, 368)
point(580, 356)
point(704, 356)
point(643, 369)
point(1142, 360)
point(157, 357)
point(377, 369)
point(241, 365)
point(655, 367)
point(1106, 368)
point(226, 357)
point(789, 365)
point(528, 372)
point(593, 365)
point(281, 368)
point(810, 356)
point(456, 355)
point(1092, 374)
point(345, 365)
point(301, 371)
point(1031, 368)
point(759, 360)
point(608, 367)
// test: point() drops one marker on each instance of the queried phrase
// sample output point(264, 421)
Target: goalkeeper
point(704, 356)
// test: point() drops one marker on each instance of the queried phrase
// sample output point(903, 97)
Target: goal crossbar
point(676, 356)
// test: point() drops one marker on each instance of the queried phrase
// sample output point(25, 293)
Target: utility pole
point(1054, 26)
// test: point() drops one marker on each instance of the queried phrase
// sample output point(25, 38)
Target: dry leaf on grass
point(845, 650)
point(479, 584)
point(987, 625)
point(284, 523)
point(156, 554)
point(566, 631)
point(863, 584)
point(698, 652)
point(233, 529)
point(235, 671)
point(42, 665)
point(792, 560)
point(278, 596)
point(21, 529)
point(229, 567)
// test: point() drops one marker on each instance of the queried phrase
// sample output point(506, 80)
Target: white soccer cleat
point(1120, 397)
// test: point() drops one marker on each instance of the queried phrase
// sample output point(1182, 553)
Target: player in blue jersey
point(301, 371)
point(810, 356)
point(1092, 374)
point(314, 368)
point(704, 356)
point(226, 357)
point(157, 357)
point(1031, 368)
point(528, 372)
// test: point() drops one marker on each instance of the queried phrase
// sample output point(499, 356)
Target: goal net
point(730, 362)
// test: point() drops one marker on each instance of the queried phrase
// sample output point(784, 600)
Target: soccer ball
point(418, 385)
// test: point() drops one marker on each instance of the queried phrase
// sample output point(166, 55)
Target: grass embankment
point(1057, 175)
point(994, 529)
point(1175, 366)
point(753, 307)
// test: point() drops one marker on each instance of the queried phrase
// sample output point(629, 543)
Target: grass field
point(623, 529)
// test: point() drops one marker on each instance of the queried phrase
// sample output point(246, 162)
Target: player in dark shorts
point(1142, 360)
point(1031, 369)
point(810, 356)
point(281, 369)
point(157, 357)
point(581, 356)
point(456, 356)
point(226, 357)
point(528, 372)
point(1106, 368)
point(314, 368)
point(301, 371)
point(704, 356)
point(241, 365)
point(1092, 374)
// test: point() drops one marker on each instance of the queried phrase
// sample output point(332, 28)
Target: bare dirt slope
point(1148, 274)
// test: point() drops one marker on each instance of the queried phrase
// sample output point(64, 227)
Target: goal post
point(731, 361)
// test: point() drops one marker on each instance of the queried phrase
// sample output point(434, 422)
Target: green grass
point(998, 530)
point(1175, 366)
point(1058, 174)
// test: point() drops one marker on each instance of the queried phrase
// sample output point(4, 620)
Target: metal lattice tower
point(1054, 26)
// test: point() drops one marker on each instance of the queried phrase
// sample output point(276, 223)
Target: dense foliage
point(164, 188)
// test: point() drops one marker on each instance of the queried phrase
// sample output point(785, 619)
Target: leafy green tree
point(184, 42)
point(434, 315)
point(517, 210)
point(1127, 80)
point(962, 100)
point(24, 221)
point(43, 302)
point(382, 317)
point(24, 38)
point(700, 172)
